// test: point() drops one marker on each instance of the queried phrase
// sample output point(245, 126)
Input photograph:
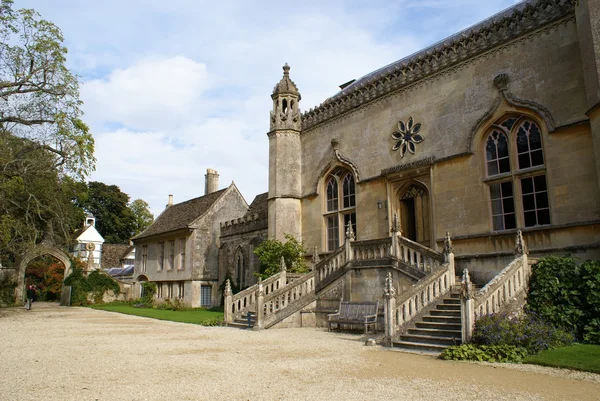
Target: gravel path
point(55, 353)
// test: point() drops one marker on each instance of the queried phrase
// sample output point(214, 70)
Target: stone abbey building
point(493, 131)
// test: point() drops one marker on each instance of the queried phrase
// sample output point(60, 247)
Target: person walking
point(30, 296)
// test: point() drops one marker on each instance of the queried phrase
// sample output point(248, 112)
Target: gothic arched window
point(523, 177)
point(340, 190)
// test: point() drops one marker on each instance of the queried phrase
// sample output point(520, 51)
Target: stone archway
point(40, 250)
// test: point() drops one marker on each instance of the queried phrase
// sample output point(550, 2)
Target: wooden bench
point(364, 313)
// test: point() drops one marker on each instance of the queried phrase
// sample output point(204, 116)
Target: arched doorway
point(40, 250)
point(415, 217)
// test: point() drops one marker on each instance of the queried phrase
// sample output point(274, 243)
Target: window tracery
point(340, 204)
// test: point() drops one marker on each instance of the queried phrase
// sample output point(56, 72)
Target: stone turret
point(285, 160)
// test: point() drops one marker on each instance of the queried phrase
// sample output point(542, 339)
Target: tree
point(141, 213)
point(270, 252)
point(39, 95)
point(45, 148)
point(115, 221)
point(36, 202)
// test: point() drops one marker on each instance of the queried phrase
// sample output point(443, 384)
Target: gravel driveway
point(57, 353)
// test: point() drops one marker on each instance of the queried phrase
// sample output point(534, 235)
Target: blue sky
point(171, 88)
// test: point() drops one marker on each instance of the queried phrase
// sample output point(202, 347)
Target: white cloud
point(149, 94)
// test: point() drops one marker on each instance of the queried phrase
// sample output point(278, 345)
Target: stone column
point(349, 239)
point(228, 303)
point(395, 230)
point(283, 276)
point(522, 251)
point(389, 310)
point(260, 300)
point(467, 313)
point(449, 258)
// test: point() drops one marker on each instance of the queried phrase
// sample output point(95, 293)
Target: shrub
point(484, 353)
point(175, 305)
point(270, 252)
point(7, 291)
point(567, 295)
point(213, 322)
point(96, 284)
point(148, 292)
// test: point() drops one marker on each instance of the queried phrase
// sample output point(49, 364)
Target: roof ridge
point(502, 27)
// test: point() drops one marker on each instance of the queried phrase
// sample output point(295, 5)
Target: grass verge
point(194, 316)
point(585, 357)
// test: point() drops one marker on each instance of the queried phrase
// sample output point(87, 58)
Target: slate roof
point(180, 215)
point(111, 254)
point(259, 206)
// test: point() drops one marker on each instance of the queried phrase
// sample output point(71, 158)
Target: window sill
point(517, 173)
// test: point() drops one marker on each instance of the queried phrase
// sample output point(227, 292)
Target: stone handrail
point(511, 282)
point(245, 301)
point(371, 249)
point(331, 263)
point(496, 294)
point(423, 293)
point(416, 255)
point(285, 299)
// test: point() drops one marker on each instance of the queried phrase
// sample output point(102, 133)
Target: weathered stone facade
point(180, 250)
point(419, 138)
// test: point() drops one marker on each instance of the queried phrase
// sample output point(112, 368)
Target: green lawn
point(195, 316)
point(584, 357)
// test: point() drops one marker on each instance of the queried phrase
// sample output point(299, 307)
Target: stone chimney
point(211, 182)
point(170, 203)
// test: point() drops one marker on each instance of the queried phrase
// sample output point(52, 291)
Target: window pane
point(502, 145)
point(495, 191)
point(524, 160)
point(527, 185)
point(541, 200)
point(540, 182)
point(504, 165)
point(348, 191)
point(508, 205)
point(535, 137)
point(544, 216)
point(537, 158)
point(498, 223)
point(522, 141)
point(332, 194)
point(510, 221)
point(507, 189)
point(492, 167)
point(530, 219)
point(333, 232)
point(490, 148)
point(496, 207)
point(528, 202)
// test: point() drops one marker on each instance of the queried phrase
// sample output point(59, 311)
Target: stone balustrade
point(287, 297)
point(509, 283)
point(424, 292)
point(416, 255)
point(332, 263)
point(245, 301)
point(371, 249)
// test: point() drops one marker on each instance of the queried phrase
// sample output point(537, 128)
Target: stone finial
point(520, 247)
point(448, 248)
point(501, 82)
point(396, 224)
point(389, 290)
point(227, 288)
point(335, 144)
point(350, 232)
point(261, 290)
point(466, 288)
point(282, 265)
point(315, 257)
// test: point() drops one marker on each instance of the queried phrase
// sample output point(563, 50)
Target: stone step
point(442, 319)
point(428, 339)
point(239, 325)
point(446, 313)
point(439, 325)
point(414, 346)
point(448, 307)
point(421, 331)
point(451, 301)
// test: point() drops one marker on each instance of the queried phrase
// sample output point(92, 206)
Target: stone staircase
point(245, 321)
point(438, 329)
